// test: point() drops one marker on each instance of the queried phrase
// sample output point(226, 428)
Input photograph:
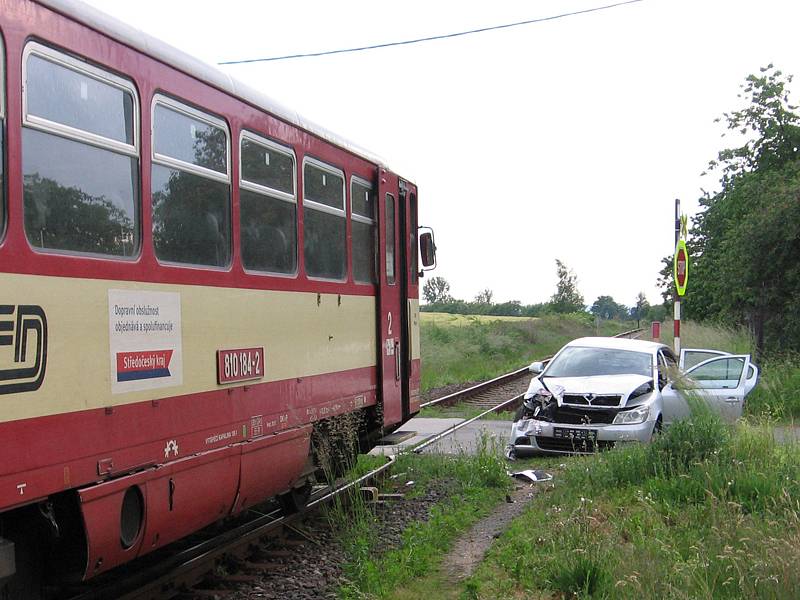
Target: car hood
point(597, 384)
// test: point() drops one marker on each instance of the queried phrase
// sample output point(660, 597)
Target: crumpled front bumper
point(530, 436)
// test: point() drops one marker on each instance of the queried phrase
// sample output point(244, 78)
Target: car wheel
point(657, 428)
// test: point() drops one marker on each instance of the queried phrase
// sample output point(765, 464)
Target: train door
point(392, 336)
point(410, 294)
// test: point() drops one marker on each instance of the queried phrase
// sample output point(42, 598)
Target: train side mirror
point(427, 250)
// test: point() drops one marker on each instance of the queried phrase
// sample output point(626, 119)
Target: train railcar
point(199, 290)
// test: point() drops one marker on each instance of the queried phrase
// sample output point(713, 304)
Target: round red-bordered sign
point(680, 267)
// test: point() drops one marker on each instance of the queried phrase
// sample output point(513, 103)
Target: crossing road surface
point(464, 440)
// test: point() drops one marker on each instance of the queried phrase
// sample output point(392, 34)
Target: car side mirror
point(427, 250)
point(536, 367)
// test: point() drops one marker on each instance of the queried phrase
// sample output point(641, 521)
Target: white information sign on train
point(145, 340)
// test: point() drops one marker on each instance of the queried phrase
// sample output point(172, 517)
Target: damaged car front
point(595, 393)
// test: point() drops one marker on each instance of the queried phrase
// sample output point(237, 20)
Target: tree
point(640, 309)
point(436, 289)
point(745, 245)
point(484, 297)
point(606, 308)
point(567, 298)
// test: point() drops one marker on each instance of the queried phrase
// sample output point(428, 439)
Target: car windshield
point(578, 361)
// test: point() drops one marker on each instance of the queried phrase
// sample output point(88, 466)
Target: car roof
point(618, 344)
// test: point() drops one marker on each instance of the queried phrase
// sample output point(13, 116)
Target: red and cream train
point(196, 288)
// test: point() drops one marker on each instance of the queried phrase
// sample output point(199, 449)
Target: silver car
point(596, 392)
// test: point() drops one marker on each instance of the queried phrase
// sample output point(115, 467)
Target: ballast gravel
point(306, 570)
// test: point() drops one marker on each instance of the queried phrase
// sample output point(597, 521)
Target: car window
point(695, 357)
point(577, 361)
point(724, 373)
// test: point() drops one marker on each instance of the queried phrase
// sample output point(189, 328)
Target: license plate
point(575, 434)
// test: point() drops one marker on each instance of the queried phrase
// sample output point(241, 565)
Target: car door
point(694, 356)
point(720, 381)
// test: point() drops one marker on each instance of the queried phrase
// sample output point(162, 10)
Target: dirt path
point(469, 550)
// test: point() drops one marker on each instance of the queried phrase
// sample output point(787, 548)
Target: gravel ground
point(311, 571)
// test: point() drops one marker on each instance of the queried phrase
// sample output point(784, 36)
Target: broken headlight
point(539, 406)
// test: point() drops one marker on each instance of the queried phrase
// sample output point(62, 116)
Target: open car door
point(722, 381)
point(691, 357)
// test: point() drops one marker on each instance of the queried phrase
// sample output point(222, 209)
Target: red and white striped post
point(680, 270)
point(677, 316)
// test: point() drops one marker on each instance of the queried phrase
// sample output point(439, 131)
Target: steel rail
point(453, 428)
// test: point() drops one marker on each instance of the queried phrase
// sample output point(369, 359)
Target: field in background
point(461, 348)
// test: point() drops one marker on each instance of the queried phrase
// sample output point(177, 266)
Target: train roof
point(160, 50)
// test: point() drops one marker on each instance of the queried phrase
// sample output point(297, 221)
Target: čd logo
point(21, 366)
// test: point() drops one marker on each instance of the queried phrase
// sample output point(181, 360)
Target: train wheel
point(296, 499)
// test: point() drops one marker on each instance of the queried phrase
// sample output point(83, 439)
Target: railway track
point(177, 573)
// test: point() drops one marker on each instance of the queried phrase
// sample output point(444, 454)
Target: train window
point(268, 206)
point(362, 202)
point(190, 185)
point(80, 156)
point(390, 276)
point(77, 100)
point(267, 164)
point(324, 221)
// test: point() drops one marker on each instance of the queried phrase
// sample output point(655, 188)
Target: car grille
point(572, 445)
point(604, 400)
point(577, 416)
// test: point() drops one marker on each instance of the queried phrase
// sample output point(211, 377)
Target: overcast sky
point(565, 139)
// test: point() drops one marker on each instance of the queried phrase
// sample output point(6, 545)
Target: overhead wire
point(430, 38)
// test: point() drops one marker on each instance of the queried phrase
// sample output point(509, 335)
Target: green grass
point(777, 395)
point(476, 484)
point(708, 510)
point(735, 340)
point(458, 348)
